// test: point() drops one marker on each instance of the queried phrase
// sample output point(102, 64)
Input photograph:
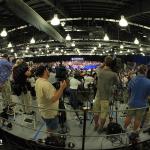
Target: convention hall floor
point(93, 140)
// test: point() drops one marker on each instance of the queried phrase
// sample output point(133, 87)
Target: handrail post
point(84, 128)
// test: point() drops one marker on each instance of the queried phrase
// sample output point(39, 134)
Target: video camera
point(117, 65)
point(61, 75)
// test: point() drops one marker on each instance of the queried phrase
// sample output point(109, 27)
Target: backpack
point(114, 128)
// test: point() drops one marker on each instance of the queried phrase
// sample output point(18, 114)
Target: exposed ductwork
point(22, 10)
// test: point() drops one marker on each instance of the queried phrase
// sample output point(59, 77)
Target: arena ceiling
point(86, 21)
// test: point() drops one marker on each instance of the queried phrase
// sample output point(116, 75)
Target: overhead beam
point(58, 9)
point(22, 10)
point(97, 1)
point(139, 7)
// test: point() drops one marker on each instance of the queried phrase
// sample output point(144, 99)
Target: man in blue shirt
point(5, 69)
point(139, 90)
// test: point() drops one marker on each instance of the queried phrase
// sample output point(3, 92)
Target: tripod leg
point(78, 117)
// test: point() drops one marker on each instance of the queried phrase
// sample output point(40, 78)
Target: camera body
point(61, 75)
point(117, 65)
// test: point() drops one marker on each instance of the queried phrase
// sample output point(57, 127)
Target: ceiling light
point(73, 44)
point(95, 48)
point(128, 50)
point(141, 49)
point(63, 24)
point(42, 53)
point(47, 51)
point(123, 22)
point(56, 48)
point(78, 50)
point(40, 49)
point(32, 41)
point(55, 21)
point(62, 50)
point(121, 46)
point(99, 45)
point(106, 38)
point(142, 54)
point(144, 36)
point(9, 45)
point(4, 33)
point(26, 51)
point(136, 41)
point(121, 52)
point(68, 37)
point(15, 54)
point(47, 46)
point(27, 48)
point(12, 50)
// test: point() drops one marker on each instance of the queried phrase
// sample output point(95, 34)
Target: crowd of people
point(38, 81)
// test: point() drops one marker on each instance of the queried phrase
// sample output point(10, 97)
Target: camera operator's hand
point(63, 84)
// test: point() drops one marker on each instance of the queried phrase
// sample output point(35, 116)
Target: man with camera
point(48, 98)
point(106, 80)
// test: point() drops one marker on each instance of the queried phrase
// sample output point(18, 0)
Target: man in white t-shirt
point(88, 80)
point(48, 98)
point(74, 84)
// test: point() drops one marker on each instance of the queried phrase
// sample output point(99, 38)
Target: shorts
point(102, 106)
point(51, 123)
point(138, 113)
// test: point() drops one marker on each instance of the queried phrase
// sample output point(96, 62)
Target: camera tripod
point(62, 116)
